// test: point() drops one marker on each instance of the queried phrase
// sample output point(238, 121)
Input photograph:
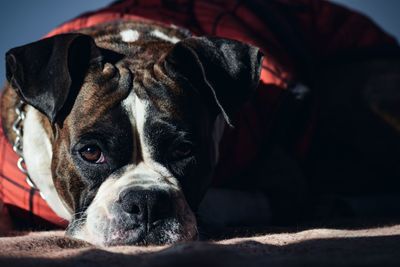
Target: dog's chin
point(162, 233)
point(166, 233)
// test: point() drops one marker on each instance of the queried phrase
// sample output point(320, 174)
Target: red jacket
point(290, 33)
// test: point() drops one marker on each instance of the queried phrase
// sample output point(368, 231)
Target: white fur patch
point(129, 36)
point(37, 155)
point(163, 36)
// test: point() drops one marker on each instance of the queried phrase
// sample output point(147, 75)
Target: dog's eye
point(92, 153)
point(183, 150)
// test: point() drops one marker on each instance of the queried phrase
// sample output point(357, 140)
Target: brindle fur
point(141, 58)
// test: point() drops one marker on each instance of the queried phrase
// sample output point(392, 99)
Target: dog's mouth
point(116, 225)
point(165, 232)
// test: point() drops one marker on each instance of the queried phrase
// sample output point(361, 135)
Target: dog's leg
point(230, 207)
point(358, 140)
point(271, 192)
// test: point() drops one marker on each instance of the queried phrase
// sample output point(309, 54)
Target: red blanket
point(292, 34)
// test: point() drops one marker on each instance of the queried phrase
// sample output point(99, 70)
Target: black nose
point(146, 206)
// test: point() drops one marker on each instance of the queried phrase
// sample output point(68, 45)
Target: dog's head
point(133, 127)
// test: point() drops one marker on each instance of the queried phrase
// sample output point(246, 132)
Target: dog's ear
point(45, 73)
point(228, 70)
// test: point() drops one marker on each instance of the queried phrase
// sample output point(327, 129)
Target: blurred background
point(26, 21)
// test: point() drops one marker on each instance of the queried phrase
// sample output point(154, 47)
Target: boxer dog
point(123, 122)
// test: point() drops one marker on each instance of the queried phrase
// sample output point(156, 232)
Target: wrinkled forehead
point(134, 53)
point(132, 82)
point(128, 93)
point(159, 104)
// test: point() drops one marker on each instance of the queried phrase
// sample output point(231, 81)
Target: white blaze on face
point(129, 36)
point(137, 110)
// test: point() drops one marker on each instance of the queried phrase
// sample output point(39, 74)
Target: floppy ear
point(45, 73)
point(227, 71)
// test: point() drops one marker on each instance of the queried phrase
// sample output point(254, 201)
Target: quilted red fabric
point(283, 29)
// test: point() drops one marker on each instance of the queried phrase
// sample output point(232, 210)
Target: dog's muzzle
point(136, 209)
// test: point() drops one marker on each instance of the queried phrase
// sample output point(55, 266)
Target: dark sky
point(26, 21)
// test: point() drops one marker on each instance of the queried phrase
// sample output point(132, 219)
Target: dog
point(123, 126)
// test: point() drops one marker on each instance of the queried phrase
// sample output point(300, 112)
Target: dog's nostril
point(161, 210)
point(132, 209)
point(130, 203)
